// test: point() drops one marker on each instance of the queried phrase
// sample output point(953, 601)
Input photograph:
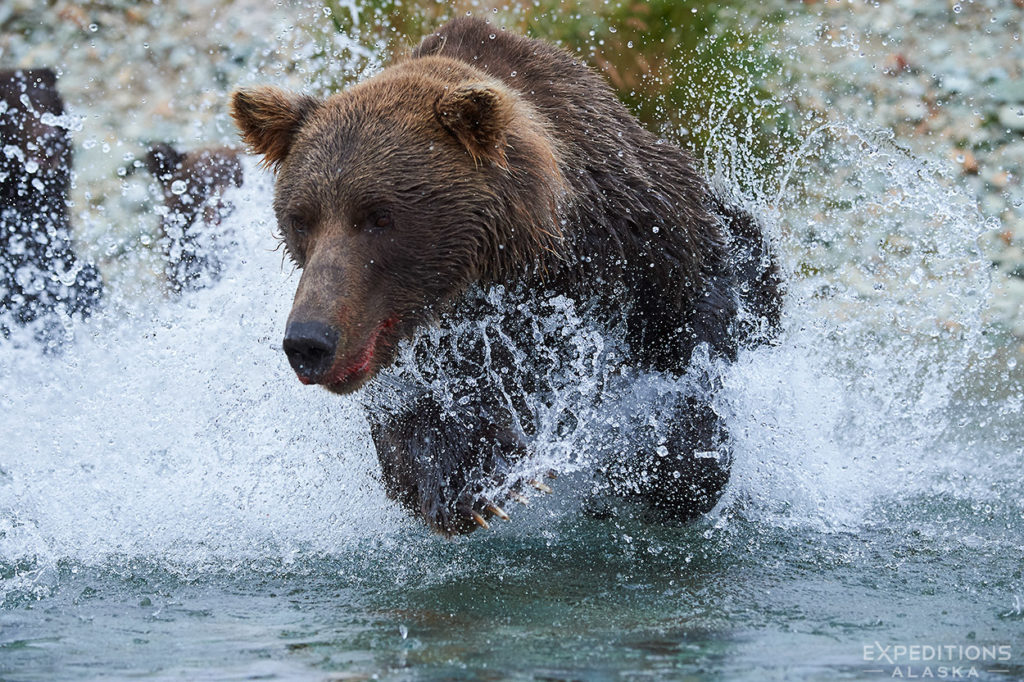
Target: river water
point(174, 504)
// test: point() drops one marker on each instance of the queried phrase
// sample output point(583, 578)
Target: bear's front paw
point(456, 472)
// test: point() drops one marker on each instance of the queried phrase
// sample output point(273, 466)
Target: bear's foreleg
point(437, 464)
point(680, 470)
point(688, 472)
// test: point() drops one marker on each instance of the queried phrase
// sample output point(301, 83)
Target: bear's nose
point(310, 349)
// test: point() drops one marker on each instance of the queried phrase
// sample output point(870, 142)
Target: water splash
point(173, 432)
point(173, 429)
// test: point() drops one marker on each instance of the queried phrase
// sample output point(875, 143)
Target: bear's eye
point(298, 226)
point(292, 233)
point(379, 220)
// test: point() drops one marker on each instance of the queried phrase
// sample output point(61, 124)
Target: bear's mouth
point(351, 372)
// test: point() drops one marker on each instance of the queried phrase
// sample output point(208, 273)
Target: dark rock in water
point(192, 184)
point(42, 280)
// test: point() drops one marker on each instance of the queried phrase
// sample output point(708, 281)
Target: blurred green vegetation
point(688, 71)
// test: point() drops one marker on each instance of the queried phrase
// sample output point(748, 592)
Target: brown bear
point(192, 184)
point(42, 280)
point(489, 160)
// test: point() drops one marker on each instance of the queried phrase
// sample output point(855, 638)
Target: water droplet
point(68, 277)
point(404, 631)
point(327, 11)
point(179, 187)
point(492, 36)
point(93, 27)
point(1011, 363)
point(31, 166)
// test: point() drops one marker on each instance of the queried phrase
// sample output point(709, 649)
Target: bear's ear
point(162, 160)
point(269, 118)
point(479, 117)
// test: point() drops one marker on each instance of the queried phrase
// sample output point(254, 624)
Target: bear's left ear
point(478, 116)
point(269, 118)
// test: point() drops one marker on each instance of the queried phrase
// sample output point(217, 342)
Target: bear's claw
point(480, 520)
point(497, 511)
point(480, 511)
point(540, 486)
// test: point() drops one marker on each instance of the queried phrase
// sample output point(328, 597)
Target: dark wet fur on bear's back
point(638, 213)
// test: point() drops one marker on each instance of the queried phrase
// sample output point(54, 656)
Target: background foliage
point(674, 64)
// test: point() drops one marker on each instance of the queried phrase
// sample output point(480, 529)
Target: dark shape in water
point(41, 277)
point(492, 159)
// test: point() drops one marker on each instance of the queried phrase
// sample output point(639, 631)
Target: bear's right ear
point(269, 118)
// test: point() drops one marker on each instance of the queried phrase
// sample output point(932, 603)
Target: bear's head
point(192, 182)
point(393, 197)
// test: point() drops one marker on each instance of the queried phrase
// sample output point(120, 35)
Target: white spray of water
point(884, 320)
point(175, 432)
point(178, 430)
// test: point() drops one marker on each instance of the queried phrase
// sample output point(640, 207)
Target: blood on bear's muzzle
point(310, 347)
